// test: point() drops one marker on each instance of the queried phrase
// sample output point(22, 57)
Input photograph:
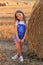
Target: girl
point(20, 33)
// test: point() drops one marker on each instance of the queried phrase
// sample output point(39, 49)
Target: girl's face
point(19, 16)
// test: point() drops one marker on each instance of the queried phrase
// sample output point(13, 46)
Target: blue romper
point(21, 28)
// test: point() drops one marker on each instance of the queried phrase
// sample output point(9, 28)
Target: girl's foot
point(15, 57)
point(21, 58)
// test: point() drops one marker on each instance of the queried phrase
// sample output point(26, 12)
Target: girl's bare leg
point(19, 48)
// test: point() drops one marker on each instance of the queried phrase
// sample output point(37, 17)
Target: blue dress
point(21, 28)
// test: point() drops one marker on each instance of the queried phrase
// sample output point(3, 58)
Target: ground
point(8, 49)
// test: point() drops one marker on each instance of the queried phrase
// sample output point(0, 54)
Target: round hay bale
point(35, 29)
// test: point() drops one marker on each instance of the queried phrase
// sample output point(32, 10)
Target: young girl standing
point(20, 33)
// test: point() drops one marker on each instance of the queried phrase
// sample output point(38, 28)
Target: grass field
point(7, 17)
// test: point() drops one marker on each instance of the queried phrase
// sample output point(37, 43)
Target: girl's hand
point(22, 41)
point(19, 40)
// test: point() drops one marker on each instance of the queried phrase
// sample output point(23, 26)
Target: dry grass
point(7, 17)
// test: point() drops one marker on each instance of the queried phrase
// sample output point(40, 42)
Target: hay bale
point(35, 29)
point(3, 4)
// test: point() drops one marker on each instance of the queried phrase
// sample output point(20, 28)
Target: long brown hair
point(19, 11)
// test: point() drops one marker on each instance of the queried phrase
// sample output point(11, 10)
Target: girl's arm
point(26, 29)
point(25, 33)
point(16, 32)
